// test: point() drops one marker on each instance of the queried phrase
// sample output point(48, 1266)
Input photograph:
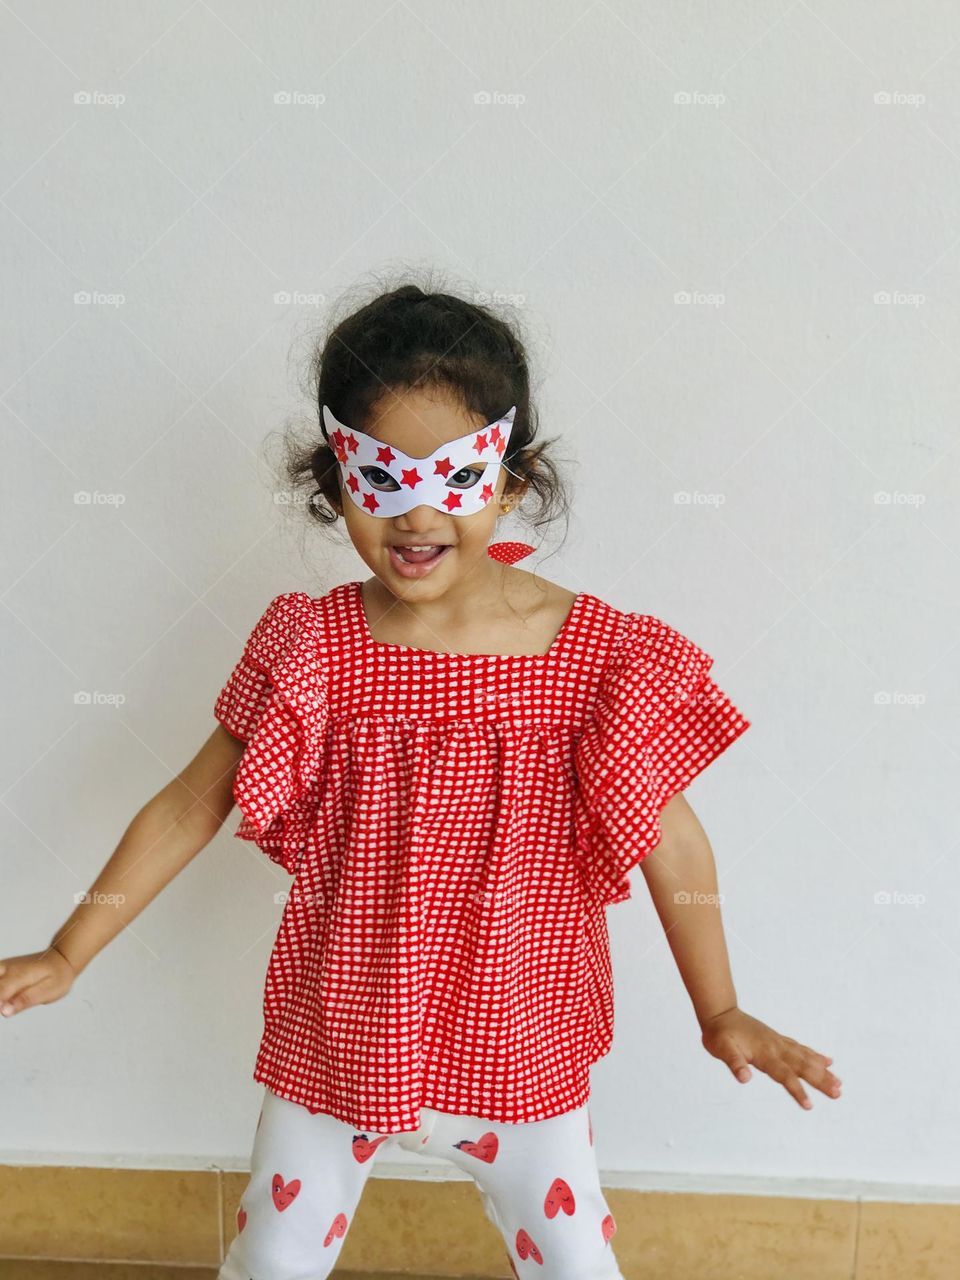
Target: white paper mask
point(420, 480)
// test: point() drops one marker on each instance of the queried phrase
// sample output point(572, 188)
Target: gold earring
point(505, 507)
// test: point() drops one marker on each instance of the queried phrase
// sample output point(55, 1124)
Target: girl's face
point(419, 423)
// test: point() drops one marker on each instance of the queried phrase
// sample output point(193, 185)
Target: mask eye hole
point(466, 477)
point(378, 479)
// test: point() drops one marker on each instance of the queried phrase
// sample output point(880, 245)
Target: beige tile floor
point(11, 1269)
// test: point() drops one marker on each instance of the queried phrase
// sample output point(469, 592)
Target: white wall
point(785, 409)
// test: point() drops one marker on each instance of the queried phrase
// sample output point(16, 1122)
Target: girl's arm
point(682, 878)
point(167, 833)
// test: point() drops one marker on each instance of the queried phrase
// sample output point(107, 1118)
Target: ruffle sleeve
point(659, 720)
point(275, 700)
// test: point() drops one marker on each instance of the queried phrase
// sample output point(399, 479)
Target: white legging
point(538, 1183)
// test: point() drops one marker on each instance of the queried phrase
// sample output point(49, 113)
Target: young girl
point(459, 764)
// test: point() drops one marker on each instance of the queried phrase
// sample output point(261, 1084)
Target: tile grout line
point(220, 1235)
point(857, 1221)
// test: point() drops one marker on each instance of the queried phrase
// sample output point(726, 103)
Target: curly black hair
point(407, 338)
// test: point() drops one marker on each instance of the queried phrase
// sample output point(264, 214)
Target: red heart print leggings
point(538, 1183)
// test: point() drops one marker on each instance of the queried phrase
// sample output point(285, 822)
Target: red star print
point(443, 468)
point(370, 502)
point(337, 438)
point(480, 444)
point(495, 435)
point(411, 478)
point(385, 454)
point(501, 445)
point(451, 500)
point(353, 443)
point(352, 483)
point(487, 493)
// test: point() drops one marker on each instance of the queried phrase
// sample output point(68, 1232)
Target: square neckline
point(366, 635)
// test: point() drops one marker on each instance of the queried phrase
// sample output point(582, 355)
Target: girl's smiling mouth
point(417, 564)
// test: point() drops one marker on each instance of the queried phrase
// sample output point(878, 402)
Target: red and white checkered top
point(456, 825)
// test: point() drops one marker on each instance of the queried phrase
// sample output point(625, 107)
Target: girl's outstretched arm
point(162, 838)
point(681, 875)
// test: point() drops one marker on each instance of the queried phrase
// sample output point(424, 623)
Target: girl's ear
point(514, 488)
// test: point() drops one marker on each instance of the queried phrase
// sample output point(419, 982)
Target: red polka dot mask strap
point(459, 478)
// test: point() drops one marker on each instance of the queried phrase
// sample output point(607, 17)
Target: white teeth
point(430, 548)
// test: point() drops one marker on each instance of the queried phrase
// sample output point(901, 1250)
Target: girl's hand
point(738, 1040)
point(38, 978)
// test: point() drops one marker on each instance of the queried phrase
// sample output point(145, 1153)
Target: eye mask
point(459, 478)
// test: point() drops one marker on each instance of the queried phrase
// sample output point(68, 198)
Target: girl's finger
point(810, 1053)
point(822, 1079)
point(781, 1069)
point(9, 999)
point(812, 1066)
point(795, 1089)
point(738, 1064)
point(25, 998)
point(736, 1061)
